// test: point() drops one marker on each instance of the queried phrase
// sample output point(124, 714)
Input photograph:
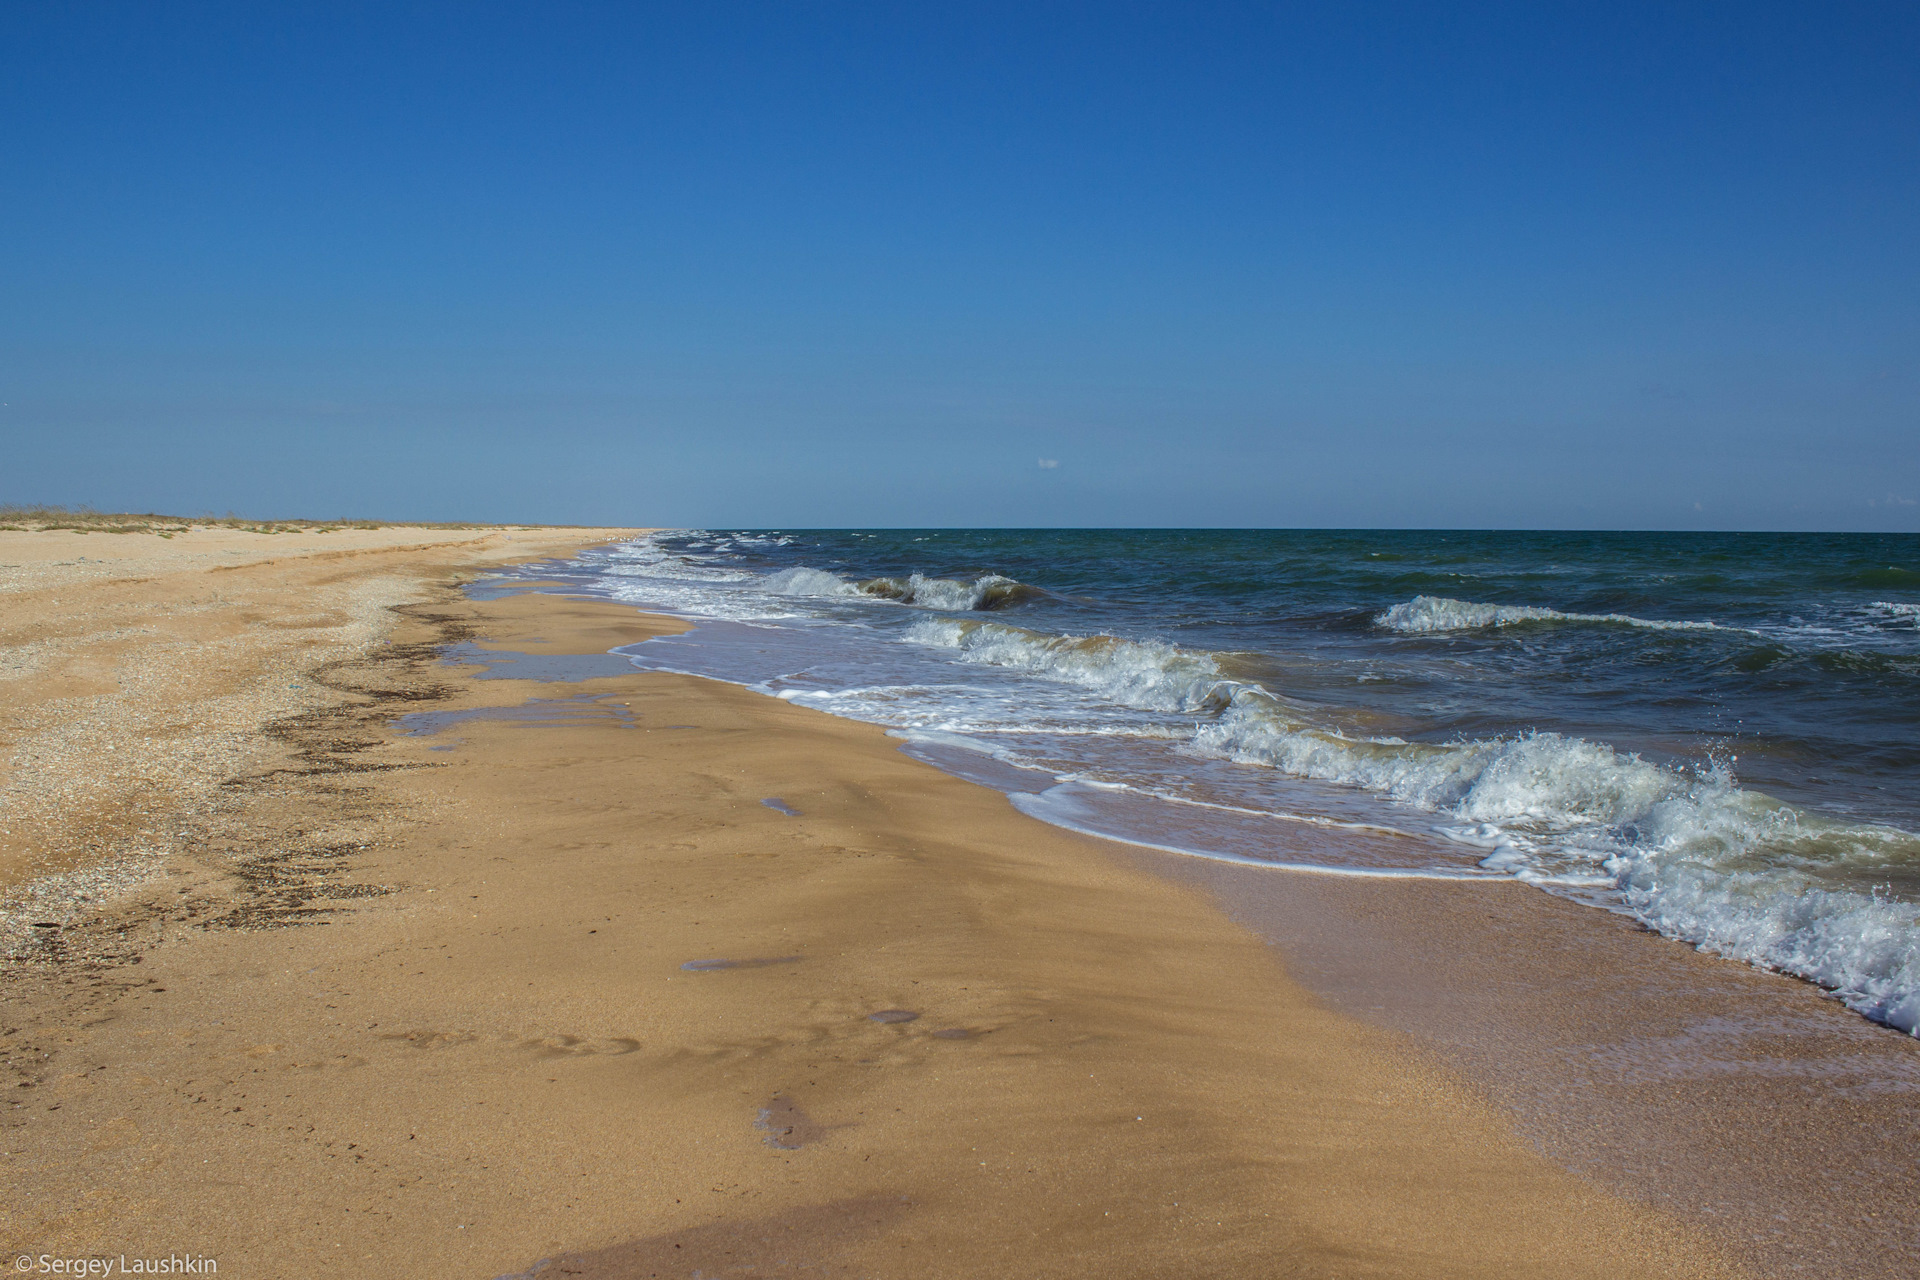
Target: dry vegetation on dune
point(44, 519)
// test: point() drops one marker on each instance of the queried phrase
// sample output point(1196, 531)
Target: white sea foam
point(1134, 673)
point(1860, 946)
point(1050, 806)
point(645, 557)
point(984, 592)
point(1438, 613)
point(1677, 848)
point(803, 581)
point(1896, 609)
point(1270, 815)
point(949, 594)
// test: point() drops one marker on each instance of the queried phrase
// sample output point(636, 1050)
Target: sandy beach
point(582, 971)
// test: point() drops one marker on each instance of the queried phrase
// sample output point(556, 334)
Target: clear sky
point(1536, 265)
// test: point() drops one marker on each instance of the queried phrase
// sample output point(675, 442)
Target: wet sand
point(552, 988)
point(1748, 1103)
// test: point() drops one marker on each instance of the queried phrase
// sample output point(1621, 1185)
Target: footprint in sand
point(565, 1046)
point(430, 1039)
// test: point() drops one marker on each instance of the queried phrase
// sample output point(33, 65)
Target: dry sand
point(136, 671)
point(395, 1003)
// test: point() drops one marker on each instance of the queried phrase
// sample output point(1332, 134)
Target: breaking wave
point(803, 581)
point(1684, 850)
point(647, 558)
point(988, 591)
point(1438, 613)
point(1146, 674)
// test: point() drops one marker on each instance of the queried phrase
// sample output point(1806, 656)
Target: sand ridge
point(593, 1006)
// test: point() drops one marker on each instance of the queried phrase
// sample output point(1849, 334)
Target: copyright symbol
point(23, 1263)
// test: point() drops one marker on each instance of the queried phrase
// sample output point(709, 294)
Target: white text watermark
point(122, 1264)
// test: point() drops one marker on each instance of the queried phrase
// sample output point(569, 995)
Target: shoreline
point(1750, 1103)
point(1164, 687)
point(486, 1046)
point(1754, 1103)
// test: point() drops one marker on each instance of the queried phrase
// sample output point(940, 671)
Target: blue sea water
point(1715, 733)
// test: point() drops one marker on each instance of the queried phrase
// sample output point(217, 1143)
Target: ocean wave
point(1686, 851)
point(1144, 674)
point(645, 557)
point(1425, 614)
point(1896, 609)
point(803, 581)
point(1859, 946)
point(1857, 662)
point(988, 591)
point(648, 574)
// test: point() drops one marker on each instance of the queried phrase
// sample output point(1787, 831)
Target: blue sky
point(839, 265)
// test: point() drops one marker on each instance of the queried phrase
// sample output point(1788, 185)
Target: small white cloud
point(1698, 507)
point(1048, 464)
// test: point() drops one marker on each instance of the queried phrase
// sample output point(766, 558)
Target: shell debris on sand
point(140, 675)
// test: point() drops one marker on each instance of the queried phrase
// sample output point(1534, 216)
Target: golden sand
point(571, 993)
point(136, 671)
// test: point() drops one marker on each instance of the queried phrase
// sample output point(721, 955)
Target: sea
point(1717, 734)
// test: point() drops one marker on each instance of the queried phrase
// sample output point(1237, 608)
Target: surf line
point(1034, 811)
point(1312, 868)
point(1037, 812)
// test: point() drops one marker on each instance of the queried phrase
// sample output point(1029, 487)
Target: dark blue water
point(1714, 732)
point(1815, 675)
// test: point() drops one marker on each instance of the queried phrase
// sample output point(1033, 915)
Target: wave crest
point(1146, 674)
point(986, 592)
point(1424, 614)
point(803, 581)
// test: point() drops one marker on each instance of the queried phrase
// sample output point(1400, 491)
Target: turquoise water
point(1715, 733)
